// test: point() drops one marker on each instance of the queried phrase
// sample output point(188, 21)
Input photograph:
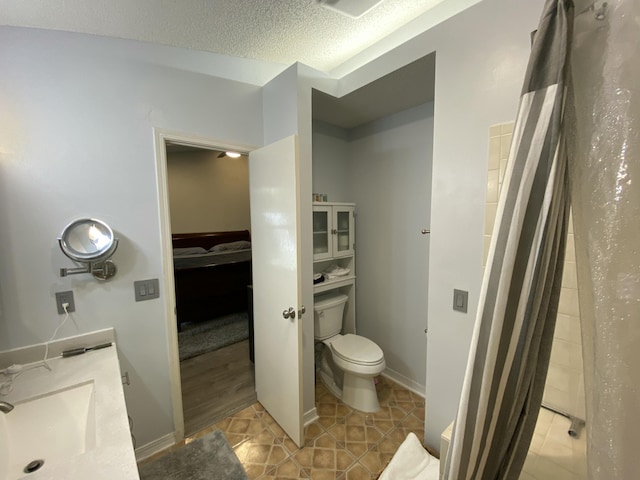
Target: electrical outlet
point(65, 297)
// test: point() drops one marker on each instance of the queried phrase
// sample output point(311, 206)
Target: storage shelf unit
point(334, 243)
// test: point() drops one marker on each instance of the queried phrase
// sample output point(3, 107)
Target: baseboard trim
point(310, 416)
point(407, 383)
point(151, 448)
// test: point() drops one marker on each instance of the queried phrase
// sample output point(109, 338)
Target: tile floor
point(341, 444)
point(346, 444)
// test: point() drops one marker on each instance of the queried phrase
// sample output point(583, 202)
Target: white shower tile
point(494, 153)
point(570, 275)
point(570, 229)
point(489, 217)
point(507, 127)
point(547, 470)
point(580, 405)
point(505, 145)
point(536, 442)
point(559, 377)
point(569, 302)
point(545, 417)
point(558, 453)
point(568, 328)
point(485, 252)
point(493, 188)
point(503, 170)
point(570, 255)
point(567, 354)
point(525, 476)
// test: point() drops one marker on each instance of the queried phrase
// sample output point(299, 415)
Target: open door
point(273, 183)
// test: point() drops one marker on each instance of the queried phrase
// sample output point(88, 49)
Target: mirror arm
point(72, 271)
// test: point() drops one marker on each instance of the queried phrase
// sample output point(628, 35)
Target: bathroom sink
point(53, 427)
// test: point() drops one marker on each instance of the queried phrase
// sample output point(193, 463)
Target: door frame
point(161, 137)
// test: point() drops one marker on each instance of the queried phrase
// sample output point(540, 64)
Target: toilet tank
point(327, 315)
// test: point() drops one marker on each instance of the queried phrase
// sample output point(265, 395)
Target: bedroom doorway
point(209, 217)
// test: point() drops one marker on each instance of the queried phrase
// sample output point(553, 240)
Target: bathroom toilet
point(349, 362)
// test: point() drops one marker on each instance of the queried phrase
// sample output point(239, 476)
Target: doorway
point(204, 198)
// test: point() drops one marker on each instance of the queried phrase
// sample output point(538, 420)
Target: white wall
point(385, 168)
point(67, 98)
point(287, 111)
point(390, 179)
point(330, 162)
point(76, 139)
point(207, 193)
point(481, 56)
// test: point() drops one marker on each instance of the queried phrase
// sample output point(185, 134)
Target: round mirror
point(88, 240)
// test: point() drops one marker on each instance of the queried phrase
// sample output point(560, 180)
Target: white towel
point(334, 271)
point(412, 462)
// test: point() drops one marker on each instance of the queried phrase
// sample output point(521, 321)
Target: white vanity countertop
point(113, 456)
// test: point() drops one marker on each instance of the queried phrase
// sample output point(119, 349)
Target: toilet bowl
point(349, 362)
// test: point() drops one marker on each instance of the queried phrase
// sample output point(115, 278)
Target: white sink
point(53, 427)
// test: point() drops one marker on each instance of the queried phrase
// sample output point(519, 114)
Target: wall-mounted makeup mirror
point(91, 243)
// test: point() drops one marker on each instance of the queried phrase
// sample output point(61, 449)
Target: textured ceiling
point(280, 31)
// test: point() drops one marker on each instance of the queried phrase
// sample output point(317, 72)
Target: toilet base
point(329, 382)
point(360, 393)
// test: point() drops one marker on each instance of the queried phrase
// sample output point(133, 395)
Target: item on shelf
point(319, 197)
point(318, 278)
point(334, 271)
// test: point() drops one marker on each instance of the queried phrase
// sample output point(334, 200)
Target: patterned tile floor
point(342, 444)
point(346, 444)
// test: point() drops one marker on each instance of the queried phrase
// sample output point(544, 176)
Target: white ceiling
point(407, 87)
point(279, 31)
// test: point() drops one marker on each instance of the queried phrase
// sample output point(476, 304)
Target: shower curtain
point(578, 124)
point(603, 142)
point(512, 338)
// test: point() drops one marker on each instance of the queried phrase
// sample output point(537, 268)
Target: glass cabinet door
point(321, 233)
point(343, 231)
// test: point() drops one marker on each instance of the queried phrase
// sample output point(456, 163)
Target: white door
point(273, 182)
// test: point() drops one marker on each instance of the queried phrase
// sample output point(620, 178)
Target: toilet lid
point(357, 349)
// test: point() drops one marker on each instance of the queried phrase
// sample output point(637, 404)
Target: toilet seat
point(356, 350)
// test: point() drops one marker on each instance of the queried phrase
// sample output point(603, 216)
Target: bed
point(212, 271)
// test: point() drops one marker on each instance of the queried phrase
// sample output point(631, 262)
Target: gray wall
point(385, 167)
point(481, 56)
point(76, 139)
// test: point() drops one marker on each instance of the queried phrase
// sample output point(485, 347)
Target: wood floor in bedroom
point(215, 385)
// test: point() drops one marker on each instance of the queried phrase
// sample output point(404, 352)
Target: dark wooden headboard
point(207, 240)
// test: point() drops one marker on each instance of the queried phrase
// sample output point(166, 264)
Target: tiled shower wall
point(564, 390)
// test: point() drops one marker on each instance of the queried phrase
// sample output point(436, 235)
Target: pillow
point(179, 252)
point(227, 247)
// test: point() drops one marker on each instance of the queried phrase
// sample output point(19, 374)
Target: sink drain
point(33, 466)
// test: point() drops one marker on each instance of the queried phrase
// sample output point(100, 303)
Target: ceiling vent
point(350, 8)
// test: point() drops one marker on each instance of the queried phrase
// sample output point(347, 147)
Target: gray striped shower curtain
point(512, 338)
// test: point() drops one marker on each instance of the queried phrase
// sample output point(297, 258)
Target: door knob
point(424, 231)
point(291, 313)
point(301, 311)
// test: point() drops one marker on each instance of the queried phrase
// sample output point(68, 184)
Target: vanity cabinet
point(333, 230)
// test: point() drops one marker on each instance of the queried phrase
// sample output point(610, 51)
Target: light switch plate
point(460, 300)
point(146, 289)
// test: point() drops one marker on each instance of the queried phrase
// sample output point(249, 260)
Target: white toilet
point(349, 362)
